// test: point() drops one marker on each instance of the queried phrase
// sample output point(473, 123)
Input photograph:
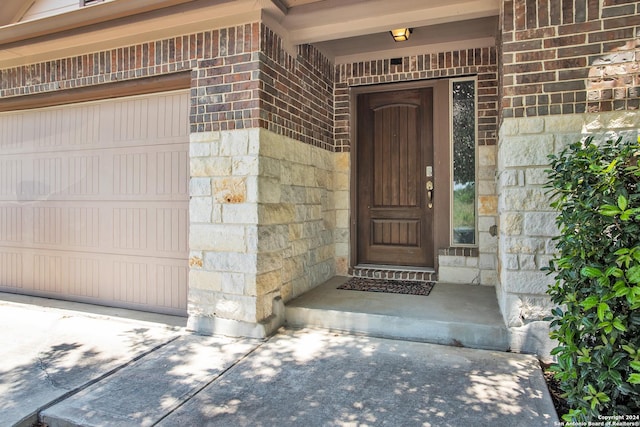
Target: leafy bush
point(597, 273)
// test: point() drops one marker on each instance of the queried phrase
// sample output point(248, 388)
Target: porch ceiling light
point(401, 34)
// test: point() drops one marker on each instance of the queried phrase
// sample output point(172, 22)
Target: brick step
point(394, 273)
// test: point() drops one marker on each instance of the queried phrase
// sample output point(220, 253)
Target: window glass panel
point(464, 163)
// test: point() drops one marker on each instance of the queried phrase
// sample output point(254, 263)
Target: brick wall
point(242, 78)
point(297, 92)
point(570, 56)
point(480, 62)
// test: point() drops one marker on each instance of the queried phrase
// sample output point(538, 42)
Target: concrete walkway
point(78, 368)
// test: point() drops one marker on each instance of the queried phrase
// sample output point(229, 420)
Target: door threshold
point(395, 267)
point(394, 272)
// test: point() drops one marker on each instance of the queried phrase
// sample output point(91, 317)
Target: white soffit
point(338, 19)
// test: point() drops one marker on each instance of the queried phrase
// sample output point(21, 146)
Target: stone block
point(245, 165)
point(200, 187)
point(229, 190)
point(234, 143)
point(323, 179)
point(487, 155)
point(512, 224)
point(272, 237)
point(271, 145)
point(594, 122)
point(528, 262)
point(522, 245)
point(540, 224)
point(451, 261)
point(622, 120)
point(487, 261)
point(205, 280)
point(216, 213)
point(526, 282)
point(217, 237)
point(276, 213)
point(488, 277)
point(487, 242)
point(565, 123)
point(525, 151)
point(487, 205)
point(253, 195)
point(524, 199)
point(297, 152)
point(535, 176)
point(243, 213)
point(210, 166)
point(459, 275)
point(487, 188)
point(269, 261)
point(532, 338)
point(531, 125)
point(342, 265)
point(509, 127)
point(200, 209)
point(199, 149)
point(342, 218)
point(486, 222)
point(204, 137)
point(302, 175)
point(269, 167)
point(510, 262)
point(342, 162)
point(342, 251)
point(231, 262)
point(509, 178)
point(233, 283)
point(268, 282)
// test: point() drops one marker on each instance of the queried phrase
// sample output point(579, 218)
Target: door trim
point(140, 86)
point(441, 154)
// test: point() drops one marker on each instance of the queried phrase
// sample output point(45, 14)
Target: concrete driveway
point(83, 365)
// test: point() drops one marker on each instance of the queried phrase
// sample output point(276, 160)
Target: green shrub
point(597, 277)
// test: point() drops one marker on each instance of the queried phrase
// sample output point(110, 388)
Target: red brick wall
point(570, 56)
point(480, 62)
point(241, 78)
point(297, 99)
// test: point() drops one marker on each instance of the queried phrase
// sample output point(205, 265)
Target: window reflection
point(464, 164)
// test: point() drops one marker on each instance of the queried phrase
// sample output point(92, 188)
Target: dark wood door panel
point(395, 145)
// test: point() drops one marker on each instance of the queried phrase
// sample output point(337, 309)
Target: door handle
point(430, 194)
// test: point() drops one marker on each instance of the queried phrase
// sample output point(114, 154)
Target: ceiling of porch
point(352, 30)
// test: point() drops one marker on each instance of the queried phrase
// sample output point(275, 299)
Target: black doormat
point(388, 286)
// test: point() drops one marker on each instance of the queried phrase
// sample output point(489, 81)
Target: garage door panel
point(140, 122)
point(11, 269)
point(126, 281)
point(94, 202)
point(157, 229)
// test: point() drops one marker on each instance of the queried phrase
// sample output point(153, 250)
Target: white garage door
point(94, 202)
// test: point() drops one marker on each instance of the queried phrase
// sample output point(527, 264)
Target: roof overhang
point(342, 29)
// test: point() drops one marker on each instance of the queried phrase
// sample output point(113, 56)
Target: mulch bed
point(554, 390)
point(389, 286)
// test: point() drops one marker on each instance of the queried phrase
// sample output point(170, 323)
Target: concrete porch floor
point(452, 314)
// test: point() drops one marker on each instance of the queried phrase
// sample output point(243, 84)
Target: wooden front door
point(394, 171)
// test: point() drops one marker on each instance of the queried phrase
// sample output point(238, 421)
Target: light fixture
point(401, 34)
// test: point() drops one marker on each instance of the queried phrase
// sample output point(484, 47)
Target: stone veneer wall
point(527, 222)
point(262, 228)
point(570, 69)
point(463, 265)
